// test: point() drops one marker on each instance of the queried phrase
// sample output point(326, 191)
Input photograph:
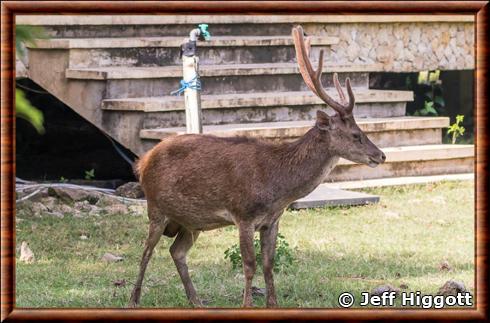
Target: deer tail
point(141, 164)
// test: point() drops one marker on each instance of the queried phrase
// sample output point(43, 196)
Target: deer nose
point(383, 156)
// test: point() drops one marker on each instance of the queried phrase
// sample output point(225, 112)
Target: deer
point(198, 182)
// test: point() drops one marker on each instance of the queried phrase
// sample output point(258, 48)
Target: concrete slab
point(397, 181)
point(326, 196)
point(123, 72)
point(422, 152)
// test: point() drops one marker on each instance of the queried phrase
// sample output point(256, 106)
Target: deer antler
point(312, 77)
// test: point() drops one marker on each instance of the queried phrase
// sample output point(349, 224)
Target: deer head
point(341, 130)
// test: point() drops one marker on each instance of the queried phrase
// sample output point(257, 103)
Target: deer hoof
point(199, 303)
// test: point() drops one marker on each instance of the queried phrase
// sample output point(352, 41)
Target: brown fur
point(195, 183)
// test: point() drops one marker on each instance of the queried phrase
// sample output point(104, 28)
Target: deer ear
point(323, 121)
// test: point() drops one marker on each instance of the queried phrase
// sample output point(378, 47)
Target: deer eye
point(357, 137)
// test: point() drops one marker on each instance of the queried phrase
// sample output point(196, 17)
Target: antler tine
point(308, 46)
point(352, 99)
point(303, 61)
point(312, 77)
point(339, 88)
point(348, 105)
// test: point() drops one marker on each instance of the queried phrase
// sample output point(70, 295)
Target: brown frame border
point(10, 8)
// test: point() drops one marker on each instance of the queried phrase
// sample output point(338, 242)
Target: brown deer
point(196, 183)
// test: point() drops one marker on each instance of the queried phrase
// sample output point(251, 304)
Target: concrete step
point(163, 51)
point(228, 101)
point(145, 42)
point(326, 196)
point(258, 107)
point(422, 160)
point(130, 82)
point(382, 131)
point(175, 71)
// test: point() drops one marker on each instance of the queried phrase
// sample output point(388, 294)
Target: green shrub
point(455, 129)
point(283, 258)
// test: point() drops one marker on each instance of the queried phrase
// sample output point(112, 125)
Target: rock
point(50, 202)
point(383, 37)
point(460, 38)
point(38, 208)
point(65, 209)
point(452, 287)
point(106, 200)
point(55, 214)
point(109, 257)
point(384, 54)
point(444, 266)
point(445, 38)
point(383, 289)
point(116, 209)
point(70, 195)
point(130, 190)
point(353, 51)
point(119, 282)
point(415, 35)
point(418, 63)
point(94, 211)
point(421, 48)
point(256, 291)
point(26, 254)
point(452, 30)
point(137, 209)
point(83, 206)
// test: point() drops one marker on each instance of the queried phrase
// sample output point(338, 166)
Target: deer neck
point(305, 162)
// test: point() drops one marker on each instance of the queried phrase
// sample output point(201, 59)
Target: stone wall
point(401, 43)
point(403, 47)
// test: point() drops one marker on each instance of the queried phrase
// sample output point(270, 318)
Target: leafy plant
point(63, 180)
point(26, 35)
point(456, 129)
point(24, 109)
point(283, 258)
point(89, 174)
point(427, 110)
point(432, 87)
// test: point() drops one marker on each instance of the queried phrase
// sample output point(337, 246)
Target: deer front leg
point(268, 237)
point(246, 233)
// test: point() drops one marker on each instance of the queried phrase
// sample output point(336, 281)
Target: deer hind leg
point(184, 241)
point(268, 239)
point(246, 233)
point(155, 231)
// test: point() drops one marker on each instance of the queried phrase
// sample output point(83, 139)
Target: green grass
point(401, 240)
